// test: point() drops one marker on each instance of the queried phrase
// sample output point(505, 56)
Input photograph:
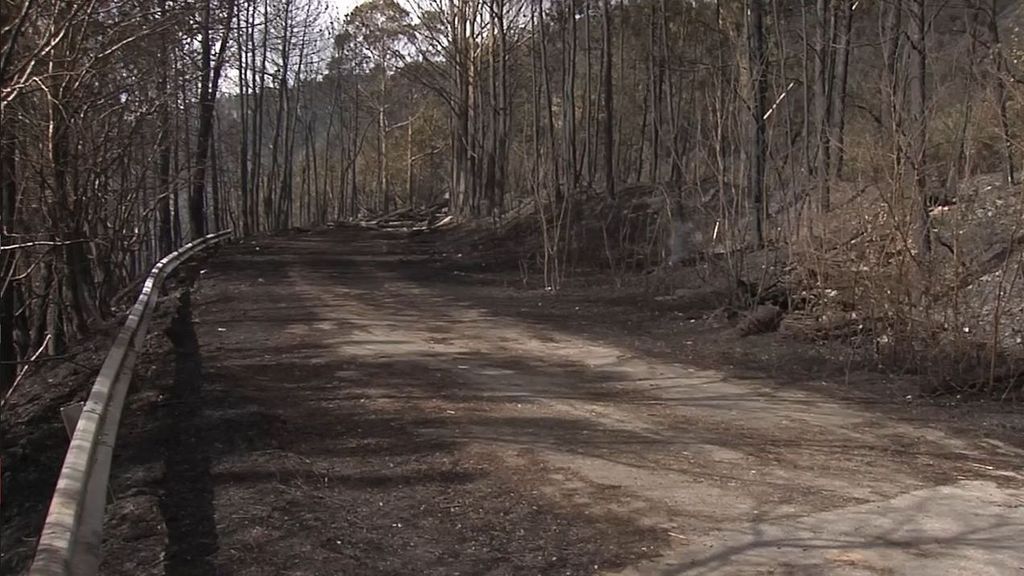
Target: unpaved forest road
point(363, 417)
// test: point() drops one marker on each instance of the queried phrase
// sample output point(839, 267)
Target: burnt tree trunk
point(210, 69)
point(759, 86)
point(8, 197)
point(609, 107)
point(917, 70)
point(999, 62)
point(837, 109)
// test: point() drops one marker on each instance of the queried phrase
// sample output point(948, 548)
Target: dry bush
point(956, 315)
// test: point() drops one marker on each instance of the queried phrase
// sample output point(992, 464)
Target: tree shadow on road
point(186, 500)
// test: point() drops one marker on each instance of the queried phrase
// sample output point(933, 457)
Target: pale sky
point(342, 7)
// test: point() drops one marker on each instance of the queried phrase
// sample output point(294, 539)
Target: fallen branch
point(51, 243)
point(24, 370)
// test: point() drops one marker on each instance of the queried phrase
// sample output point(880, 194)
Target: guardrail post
point(70, 415)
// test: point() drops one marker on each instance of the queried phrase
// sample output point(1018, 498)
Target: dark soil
point(235, 467)
point(34, 442)
point(252, 444)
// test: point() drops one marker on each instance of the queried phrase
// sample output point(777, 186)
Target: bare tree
point(211, 65)
point(759, 94)
point(609, 99)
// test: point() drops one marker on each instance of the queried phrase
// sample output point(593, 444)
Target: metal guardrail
point(72, 538)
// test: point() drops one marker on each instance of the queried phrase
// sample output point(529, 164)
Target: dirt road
point(358, 414)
